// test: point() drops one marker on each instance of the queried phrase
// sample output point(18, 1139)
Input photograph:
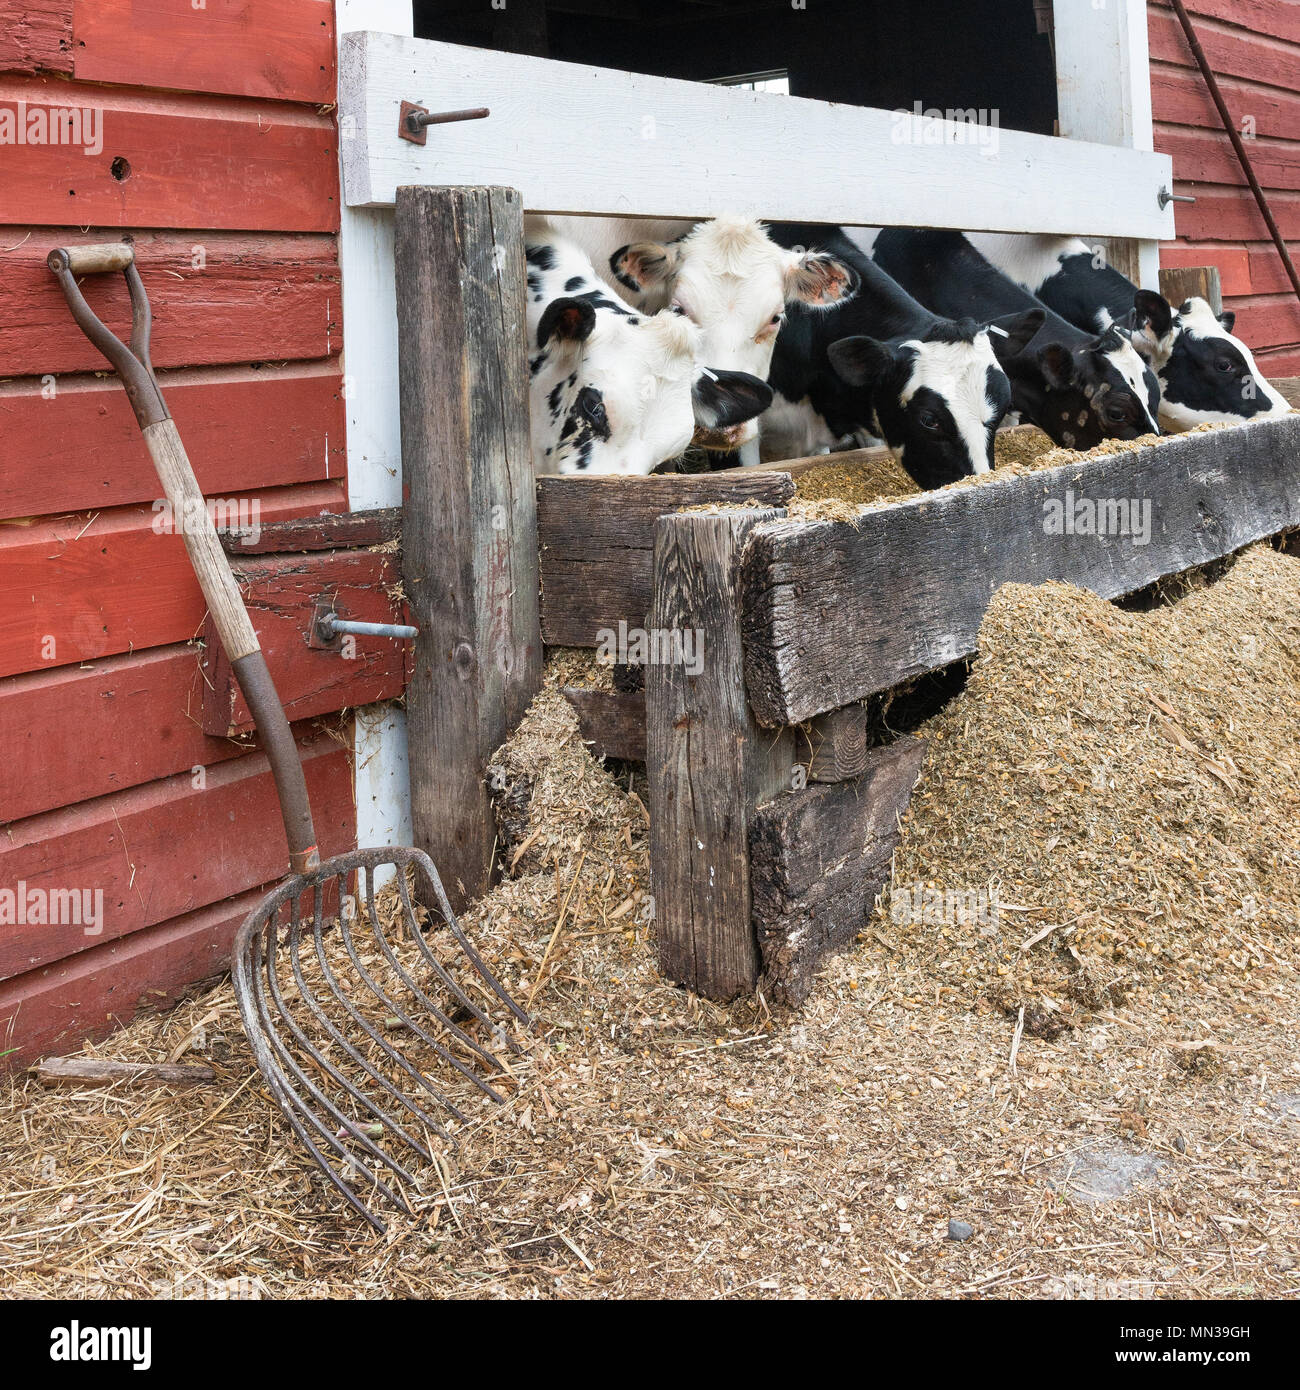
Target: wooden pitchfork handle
point(190, 512)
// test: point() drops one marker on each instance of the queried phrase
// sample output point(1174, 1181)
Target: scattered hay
point(657, 1145)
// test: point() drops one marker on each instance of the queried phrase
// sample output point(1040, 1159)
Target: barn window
point(947, 54)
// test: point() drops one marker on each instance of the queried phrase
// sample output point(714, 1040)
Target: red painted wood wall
point(213, 145)
point(1254, 48)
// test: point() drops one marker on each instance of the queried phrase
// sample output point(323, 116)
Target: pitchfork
point(361, 1091)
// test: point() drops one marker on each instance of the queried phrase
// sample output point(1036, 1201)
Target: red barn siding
point(1254, 48)
point(219, 161)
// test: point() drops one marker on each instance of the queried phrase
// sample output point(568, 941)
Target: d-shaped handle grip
point(92, 260)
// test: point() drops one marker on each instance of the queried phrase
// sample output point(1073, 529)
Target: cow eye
point(1116, 414)
point(676, 308)
point(1223, 364)
point(927, 419)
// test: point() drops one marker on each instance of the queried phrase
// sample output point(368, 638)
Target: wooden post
point(1180, 282)
point(708, 764)
point(469, 535)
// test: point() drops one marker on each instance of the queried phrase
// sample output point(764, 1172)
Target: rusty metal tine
point(309, 998)
point(328, 1067)
point(429, 869)
point(405, 1017)
point(447, 1023)
point(288, 1059)
point(434, 963)
point(370, 1032)
point(296, 1102)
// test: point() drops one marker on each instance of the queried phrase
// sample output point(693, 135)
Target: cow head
point(1206, 375)
point(732, 280)
point(616, 392)
point(937, 401)
point(1099, 389)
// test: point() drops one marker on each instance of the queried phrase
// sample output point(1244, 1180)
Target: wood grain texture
point(597, 542)
point(575, 160)
point(57, 1007)
point(1232, 52)
point(708, 765)
point(105, 1071)
point(281, 593)
point(199, 533)
point(282, 49)
point(125, 846)
point(1232, 263)
point(1289, 387)
point(834, 612)
point(382, 526)
point(819, 858)
point(252, 299)
point(78, 732)
point(77, 588)
point(1178, 96)
point(612, 721)
point(1179, 283)
point(833, 747)
point(246, 165)
point(469, 546)
point(36, 36)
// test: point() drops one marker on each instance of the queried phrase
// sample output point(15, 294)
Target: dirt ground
point(1101, 1080)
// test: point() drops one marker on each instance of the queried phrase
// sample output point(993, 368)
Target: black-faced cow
point(1080, 387)
point(1206, 375)
point(725, 275)
point(613, 390)
point(880, 363)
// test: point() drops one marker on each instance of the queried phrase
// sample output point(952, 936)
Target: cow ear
point(570, 320)
point(1057, 365)
point(1227, 319)
point(1012, 334)
point(1153, 315)
point(645, 265)
point(728, 398)
point(818, 280)
point(860, 361)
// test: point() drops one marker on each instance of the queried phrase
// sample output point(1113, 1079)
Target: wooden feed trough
point(772, 820)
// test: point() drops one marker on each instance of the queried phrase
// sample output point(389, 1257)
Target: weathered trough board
point(833, 612)
point(597, 542)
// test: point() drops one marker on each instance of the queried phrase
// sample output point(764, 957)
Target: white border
point(380, 766)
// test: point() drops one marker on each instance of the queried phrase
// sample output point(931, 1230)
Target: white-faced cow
point(726, 275)
point(880, 363)
point(1079, 386)
point(613, 390)
point(1206, 375)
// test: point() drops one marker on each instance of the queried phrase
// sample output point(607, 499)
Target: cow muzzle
point(732, 437)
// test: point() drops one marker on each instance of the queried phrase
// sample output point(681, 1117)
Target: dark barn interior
point(944, 53)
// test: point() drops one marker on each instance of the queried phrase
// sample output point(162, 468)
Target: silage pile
point(1124, 787)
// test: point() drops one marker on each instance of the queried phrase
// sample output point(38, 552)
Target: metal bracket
point(413, 121)
point(328, 630)
point(1165, 197)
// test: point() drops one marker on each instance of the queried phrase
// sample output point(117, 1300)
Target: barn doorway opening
point(945, 54)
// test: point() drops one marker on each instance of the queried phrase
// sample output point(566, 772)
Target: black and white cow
point(1206, 375)
point(880, 363)
point(1080, 387)
point(613, 390)
point(726, 275)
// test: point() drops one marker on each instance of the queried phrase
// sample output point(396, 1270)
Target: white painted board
point(579, 139)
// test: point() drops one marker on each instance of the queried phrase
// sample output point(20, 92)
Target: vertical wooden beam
point(469, 550)
point(1180, 282)
point(708, 764)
